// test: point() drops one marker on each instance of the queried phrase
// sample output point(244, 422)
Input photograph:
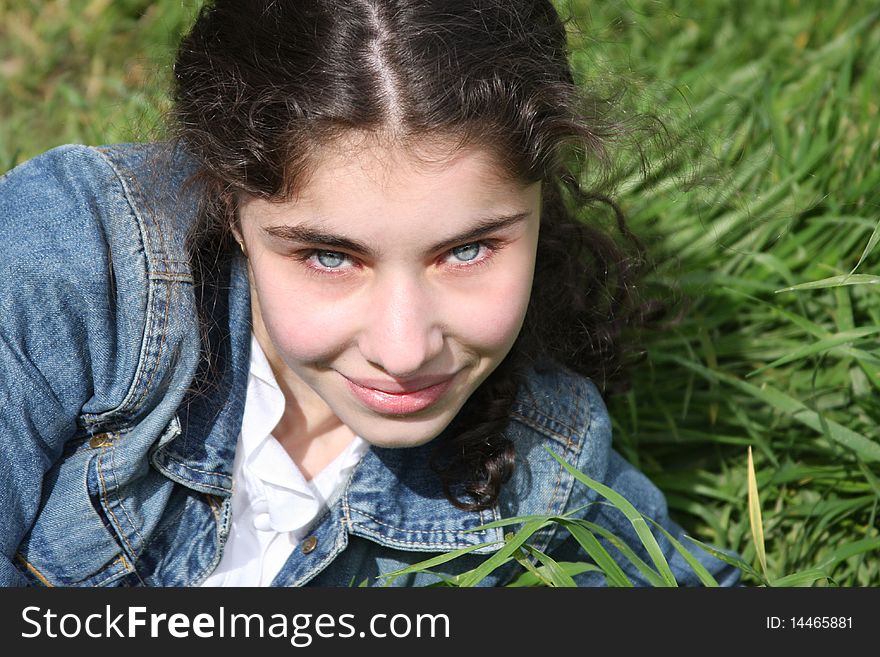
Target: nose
point(402, 332)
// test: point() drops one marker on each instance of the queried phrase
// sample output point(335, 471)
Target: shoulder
point(74, 201)
point(58, 338)
point(71, 231)
point(56, 212)
point(49, 202)
point(158, 182)
point(82, 251)
point(562, 411)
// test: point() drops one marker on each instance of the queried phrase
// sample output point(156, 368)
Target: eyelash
point(490, 246)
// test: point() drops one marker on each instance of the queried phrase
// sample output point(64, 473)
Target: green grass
point(766, 222)
point(762, 215)
point(84, 71)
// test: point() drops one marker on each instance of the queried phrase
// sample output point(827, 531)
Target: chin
point(400, 432)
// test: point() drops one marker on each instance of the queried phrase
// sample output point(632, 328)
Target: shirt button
point(309, 544)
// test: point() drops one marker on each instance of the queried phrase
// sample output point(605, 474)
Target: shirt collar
point(259, 365)
point(264, 405)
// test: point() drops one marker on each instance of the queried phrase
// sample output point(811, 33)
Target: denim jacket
point(115, 470)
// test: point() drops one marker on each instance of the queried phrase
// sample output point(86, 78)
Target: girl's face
point(389, 288)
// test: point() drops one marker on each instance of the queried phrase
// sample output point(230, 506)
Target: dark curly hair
point(262, 84)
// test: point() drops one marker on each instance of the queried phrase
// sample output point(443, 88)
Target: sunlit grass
point(767, 225)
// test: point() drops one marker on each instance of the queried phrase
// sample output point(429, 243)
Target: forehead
point(381, 192)
point(384, 163)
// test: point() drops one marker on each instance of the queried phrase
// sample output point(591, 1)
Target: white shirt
point(273, 506)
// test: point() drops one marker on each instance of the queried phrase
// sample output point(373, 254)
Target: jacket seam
point(129, 405)
point(138, 191)
point(169, 523)
point(411, 531)
point(573, 394)
point(132, 193)
point(34, 571)
point(570, 442)
point(400, 541)
point(564, 439)
point(122, 506)
point(339, 545)
point(543, 420)
point(118, 573)
point(407, 531)
point(183, 465)
point(170, 275)
point(110, 507)
point(158, 359)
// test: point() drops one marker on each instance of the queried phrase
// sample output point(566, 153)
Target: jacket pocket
point(72, 542)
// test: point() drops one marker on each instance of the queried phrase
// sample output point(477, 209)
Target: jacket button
point(309, 544)
point(100, 440)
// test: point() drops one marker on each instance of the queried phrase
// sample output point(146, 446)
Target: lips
point(396, 398)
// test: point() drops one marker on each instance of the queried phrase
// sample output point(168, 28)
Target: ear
point(235, 228)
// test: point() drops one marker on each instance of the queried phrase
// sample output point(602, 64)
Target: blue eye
point(330, 259)
point(467, 252)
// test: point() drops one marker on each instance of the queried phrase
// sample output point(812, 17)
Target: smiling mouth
point(390, 398)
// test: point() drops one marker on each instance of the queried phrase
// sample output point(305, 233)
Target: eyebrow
point(310, 235)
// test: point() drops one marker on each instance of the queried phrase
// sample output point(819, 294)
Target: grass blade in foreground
point(730, 559)
point(614, 574)
point(650, 574)
point(553, 573)
point(635, 518)
point(424, 566)
point(704, 575)
point(571, 568)
point(755, 514)
point(476, 575)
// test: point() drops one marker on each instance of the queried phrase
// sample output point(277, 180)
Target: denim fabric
point(116, 471)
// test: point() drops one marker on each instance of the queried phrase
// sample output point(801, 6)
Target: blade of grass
point(834, 281)
point(699, 569)
point(755, 521)
point(804, 578)
point(480, 572)
point(427, 564)
point(649, 573)
point(571, 568)
point(587, 540)
point(523, 560)
point(872, 242)
point(550, 570)
point(850, 550)
point(635, 518)
point(819, 346)
point(797, 410)
point(731, 560)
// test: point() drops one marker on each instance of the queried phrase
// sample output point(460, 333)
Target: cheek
point(303, 326)
point(492, 318)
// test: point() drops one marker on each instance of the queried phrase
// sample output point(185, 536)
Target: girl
point(334, 327)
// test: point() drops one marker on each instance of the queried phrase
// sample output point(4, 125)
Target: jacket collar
point(202, 456)
point(396, 500)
